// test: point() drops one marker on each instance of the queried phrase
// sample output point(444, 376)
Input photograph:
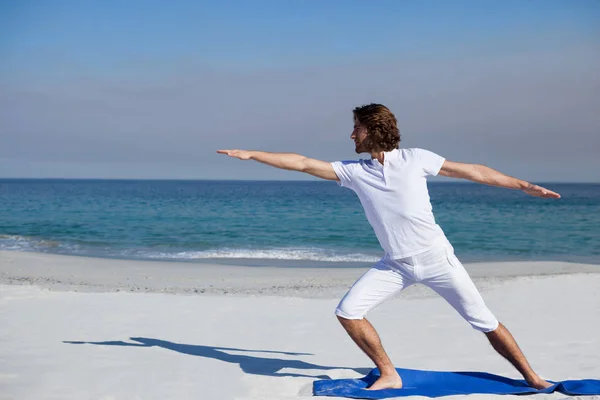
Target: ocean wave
point(26, 243)
point(293, 254)
point(32, 244)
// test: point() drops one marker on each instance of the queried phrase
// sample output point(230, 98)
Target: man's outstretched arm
point(290, 161)
point(482, 174)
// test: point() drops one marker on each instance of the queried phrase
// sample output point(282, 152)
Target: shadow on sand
point(250, 364)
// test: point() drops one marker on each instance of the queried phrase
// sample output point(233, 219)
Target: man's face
point(359, 135)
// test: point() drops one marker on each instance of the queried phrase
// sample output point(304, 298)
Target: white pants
point(437, 268)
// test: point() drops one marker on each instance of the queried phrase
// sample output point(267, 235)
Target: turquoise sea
point(290, 223)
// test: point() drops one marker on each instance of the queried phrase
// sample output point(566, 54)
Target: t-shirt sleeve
point(345, 172)
point(430, 162)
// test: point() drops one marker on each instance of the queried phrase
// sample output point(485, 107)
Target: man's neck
point(379, 155)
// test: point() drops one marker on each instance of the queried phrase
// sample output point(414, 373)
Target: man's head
point(374, 129)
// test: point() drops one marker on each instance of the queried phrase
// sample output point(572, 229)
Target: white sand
point(263, 333)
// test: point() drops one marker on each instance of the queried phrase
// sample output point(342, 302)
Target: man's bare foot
point(539, 384)
point(387, 382)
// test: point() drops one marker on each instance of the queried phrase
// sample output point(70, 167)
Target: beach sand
point(83, 328)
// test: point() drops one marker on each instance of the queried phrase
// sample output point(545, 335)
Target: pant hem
point(347, 316)
point(485, 330)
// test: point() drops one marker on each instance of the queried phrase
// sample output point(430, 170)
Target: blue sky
point(119, 89)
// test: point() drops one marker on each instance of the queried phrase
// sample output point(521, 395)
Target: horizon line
point(453, 181)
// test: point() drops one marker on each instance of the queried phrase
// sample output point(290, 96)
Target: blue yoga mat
point(444, 383)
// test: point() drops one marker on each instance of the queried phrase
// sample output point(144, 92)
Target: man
point(393, 191)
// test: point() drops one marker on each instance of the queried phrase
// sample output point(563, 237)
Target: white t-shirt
point(395, 198)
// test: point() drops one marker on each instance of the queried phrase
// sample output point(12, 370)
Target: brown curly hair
point(382, 130)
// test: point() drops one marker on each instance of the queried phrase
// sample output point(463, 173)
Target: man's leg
point(451, 281)
point(504, 343)
point(373, 288)
point(365, 336)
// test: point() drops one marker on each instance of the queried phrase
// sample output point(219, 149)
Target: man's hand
point(241, 154)
point(538, 191)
